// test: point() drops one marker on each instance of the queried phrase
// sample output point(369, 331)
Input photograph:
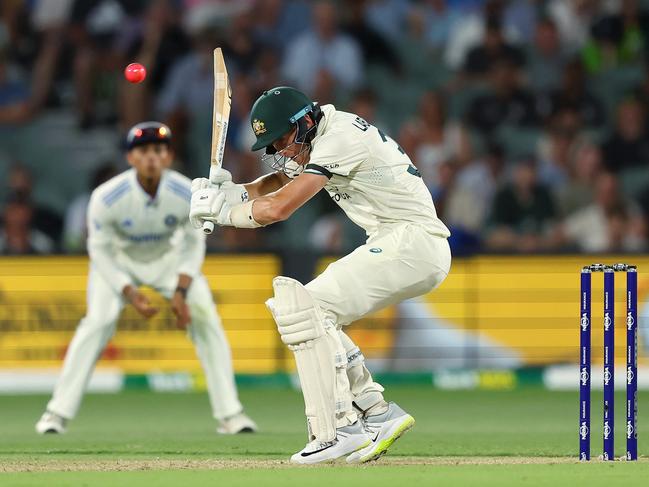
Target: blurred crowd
point(526, 118)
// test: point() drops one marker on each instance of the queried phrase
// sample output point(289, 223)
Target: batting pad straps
point(241, 216)
point(319, 356)
point(366, 394)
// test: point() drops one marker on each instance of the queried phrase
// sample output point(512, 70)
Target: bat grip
point(208, 227)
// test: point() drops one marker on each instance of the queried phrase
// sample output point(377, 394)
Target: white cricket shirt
point(127, 226)
point(370, 177)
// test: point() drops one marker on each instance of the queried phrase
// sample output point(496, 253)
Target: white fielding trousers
point(400, 263)
point(104, 306)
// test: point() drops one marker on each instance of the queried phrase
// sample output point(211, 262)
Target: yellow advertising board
point(43, 299)
point(509, 311)
point(524, 308)
point(531, 304)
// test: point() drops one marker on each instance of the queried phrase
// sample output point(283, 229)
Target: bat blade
point(220, 116)
point(222, 105)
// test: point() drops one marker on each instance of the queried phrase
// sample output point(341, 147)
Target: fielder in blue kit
point(139, 234)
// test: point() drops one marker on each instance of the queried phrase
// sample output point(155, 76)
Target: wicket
point(609, 360)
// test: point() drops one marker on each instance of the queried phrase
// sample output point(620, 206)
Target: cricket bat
point(220, 116)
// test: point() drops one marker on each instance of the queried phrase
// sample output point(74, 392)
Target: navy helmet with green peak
point(276, 112)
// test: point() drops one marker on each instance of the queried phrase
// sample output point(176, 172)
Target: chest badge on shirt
point(171, 220)
point(376, 250)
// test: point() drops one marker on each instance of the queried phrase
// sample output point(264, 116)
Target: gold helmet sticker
point(258, 127)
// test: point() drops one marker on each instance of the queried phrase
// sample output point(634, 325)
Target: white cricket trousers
point(104, 306)
point(399, 263)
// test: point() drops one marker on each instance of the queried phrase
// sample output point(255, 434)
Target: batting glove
point(221, 179)
point(208, 204)
point(218, 175)
point(200, 183)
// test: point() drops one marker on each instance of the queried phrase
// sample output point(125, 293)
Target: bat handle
point(208, 227)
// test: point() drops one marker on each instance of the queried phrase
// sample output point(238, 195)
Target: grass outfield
point(522, 437)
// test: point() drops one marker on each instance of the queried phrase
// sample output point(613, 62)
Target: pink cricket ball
point(135, 73)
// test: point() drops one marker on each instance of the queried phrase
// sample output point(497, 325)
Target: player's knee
point(298, 317)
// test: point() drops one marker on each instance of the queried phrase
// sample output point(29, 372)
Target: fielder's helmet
point(147, 133)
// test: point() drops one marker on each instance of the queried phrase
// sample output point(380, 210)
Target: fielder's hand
point(180, 310)
point(140, 302)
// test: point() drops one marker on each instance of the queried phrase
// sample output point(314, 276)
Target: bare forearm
point(270, 209)
point(184, 281)
point(128, 291)
point(262, 210)
point(281, 204)
point(266, 184)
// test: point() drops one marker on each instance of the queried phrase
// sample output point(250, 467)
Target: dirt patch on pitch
point(62, 465)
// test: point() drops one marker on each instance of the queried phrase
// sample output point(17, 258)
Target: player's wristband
point(241, 216)
point(182, 291)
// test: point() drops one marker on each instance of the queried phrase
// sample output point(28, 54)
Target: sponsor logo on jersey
point(127, 223)
point(171, 220)
point(148, 237)
point(376, 250)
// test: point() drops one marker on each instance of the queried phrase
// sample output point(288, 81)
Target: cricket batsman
point(139, 234)
point(406, 255)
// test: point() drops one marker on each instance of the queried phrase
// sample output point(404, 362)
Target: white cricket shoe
point(239, 423)
point(51, 423)
point(348, 439)
point(384, 429)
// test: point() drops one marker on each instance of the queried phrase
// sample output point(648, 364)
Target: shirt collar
point(146, 198)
